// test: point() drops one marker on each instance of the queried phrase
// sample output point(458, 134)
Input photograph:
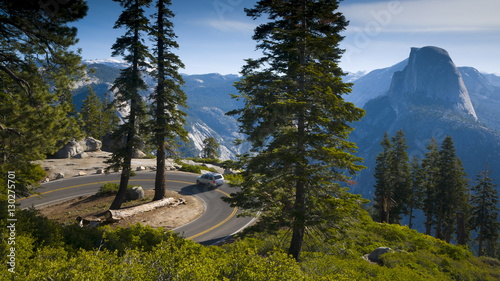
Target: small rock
point(81, 156)
point(82, 174)
point(135, 193)
point(230, 171)
point(188, 162)
point(140, 168)
point(59, 176)
point(99, 171)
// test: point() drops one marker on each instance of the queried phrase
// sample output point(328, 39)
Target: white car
point(211, 179)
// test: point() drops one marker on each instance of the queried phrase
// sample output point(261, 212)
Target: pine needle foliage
point(168, 119)
point(37, 72)
point(128, 85)
point(295, 116)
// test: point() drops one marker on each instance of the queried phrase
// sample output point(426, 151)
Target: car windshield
point(218, 177)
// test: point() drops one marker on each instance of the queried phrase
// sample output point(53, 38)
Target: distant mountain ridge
point(429, 97)
point(208, 101)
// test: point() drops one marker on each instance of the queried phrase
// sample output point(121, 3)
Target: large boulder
point(92, 144)
point(74, 147)
point(138, 154)
point(70, 149)
point(375, 255)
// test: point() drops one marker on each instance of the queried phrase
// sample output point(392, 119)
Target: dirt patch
point(94, 207)
point(95, 161)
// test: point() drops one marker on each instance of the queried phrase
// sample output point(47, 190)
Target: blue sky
point(215, 35)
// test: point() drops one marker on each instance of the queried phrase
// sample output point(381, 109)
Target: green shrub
point(234, 178)
point(205, 160)
point(191, 169)
point(149, 156)
point(110, 189)
point(137, 236)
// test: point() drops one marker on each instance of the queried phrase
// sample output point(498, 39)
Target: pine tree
point(451, 190)
point(168, 119)
point(393, 179)
point(400, 169)
point(295, 116)
point(37, 72)
point(417, 189)
point(383, 179)
point(210, 148)
point(430, 168)
point(111, 119)
point(484, 210)
point(133, 49)
point(92, 114)
point(98, 117)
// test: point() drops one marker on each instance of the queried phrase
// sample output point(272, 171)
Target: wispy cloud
point(231, 26)
point(424, 15)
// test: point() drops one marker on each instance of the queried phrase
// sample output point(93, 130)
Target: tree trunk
point(410, 223)
point(115, 215)
point(461, 229)
point(131, 130)
point(122, 190)
point(480, 241)
point(428, 224)
point(160, 179)
point(298, 227)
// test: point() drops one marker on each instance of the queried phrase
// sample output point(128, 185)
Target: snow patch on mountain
point(109, 62)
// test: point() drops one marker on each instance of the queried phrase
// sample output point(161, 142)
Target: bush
point(149, 156)
point(205, 160)
point(236, 179)
point(190, 168)
point(110, 189)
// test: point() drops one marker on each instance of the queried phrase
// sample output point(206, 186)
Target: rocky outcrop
point(375, 256)
point(74, 148)
point(430, 78)
point(69, 150)
point(92, 144)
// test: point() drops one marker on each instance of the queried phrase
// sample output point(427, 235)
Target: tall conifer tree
point(417, 192)
point(393, 179)
point(451, 190)
point(37, 71)
point(128, 85)
point(484, 210)
point(295, 115)
point(168, 119)
point(92, 114)
point(400, 169)
point(430, 168)
point(383, 178)
point(210, 148)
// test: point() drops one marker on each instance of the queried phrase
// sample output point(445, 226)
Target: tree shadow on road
point(195, 189)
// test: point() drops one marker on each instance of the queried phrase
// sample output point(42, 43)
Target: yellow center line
point(235, 209)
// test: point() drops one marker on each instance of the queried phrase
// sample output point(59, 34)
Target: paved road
point(217, 222)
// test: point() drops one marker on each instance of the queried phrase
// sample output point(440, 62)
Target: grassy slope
point(47, 250)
